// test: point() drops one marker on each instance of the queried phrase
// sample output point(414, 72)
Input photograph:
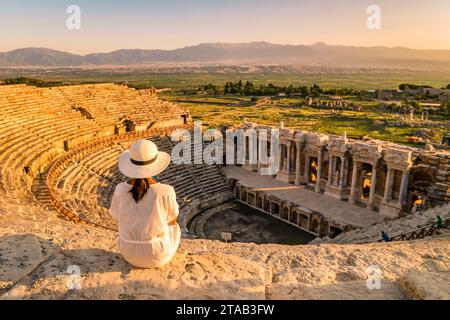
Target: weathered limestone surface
point(37, 248)
point(426, 285)
point(392, 227)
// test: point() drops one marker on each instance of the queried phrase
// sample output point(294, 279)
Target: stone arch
point(315, 225)
point(259, 201)
point(251, 198)
point(303, 221)
point(285, 213)
point(266, 205)
point(293, 216)
point(275, 209)
point(244, 195)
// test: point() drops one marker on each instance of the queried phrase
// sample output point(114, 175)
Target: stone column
point(388, 186)
point(333, 170)
point(373, 184)
point(280, 157)
point(307, 167)
point(330, 170)
point(319, 170)
point(297, 165)
point(403, 188)
point(354, 182)
point(342, 175)
point(288, 157)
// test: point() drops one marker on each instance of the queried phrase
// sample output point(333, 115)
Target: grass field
point(354, 81)
point(371, 122)
point(190, 81)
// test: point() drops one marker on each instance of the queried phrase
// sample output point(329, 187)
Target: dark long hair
point(140, 188)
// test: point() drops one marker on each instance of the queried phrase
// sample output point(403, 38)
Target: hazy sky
point(108, 25)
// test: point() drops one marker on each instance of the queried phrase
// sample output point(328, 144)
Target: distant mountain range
point(253, 53)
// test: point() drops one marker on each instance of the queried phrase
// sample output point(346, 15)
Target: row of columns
point(389, 185)
point(285, 164)
point(343, 174)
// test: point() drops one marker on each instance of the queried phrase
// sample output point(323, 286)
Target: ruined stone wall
point(430, 176)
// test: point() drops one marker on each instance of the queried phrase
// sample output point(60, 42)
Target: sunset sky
point(115, 24)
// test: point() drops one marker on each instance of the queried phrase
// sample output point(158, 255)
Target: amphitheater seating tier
point(37, 124)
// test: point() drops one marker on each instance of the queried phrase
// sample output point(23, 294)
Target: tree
point(316, 90)
point(410, 86)
point(249, 89)
point(226, 88)
point(289, 90)
point(305, 91)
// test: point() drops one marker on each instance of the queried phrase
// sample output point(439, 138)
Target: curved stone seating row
point(82, 182)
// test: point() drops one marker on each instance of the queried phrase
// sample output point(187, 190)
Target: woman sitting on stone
point(145, 210)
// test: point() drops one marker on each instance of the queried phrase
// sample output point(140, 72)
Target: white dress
point(145, 238)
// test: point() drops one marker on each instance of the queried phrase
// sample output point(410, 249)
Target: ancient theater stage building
point(327, 184)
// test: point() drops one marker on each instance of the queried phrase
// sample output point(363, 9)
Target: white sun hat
point(143, 160)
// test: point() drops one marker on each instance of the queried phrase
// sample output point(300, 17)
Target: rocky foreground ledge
point(40, 255)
